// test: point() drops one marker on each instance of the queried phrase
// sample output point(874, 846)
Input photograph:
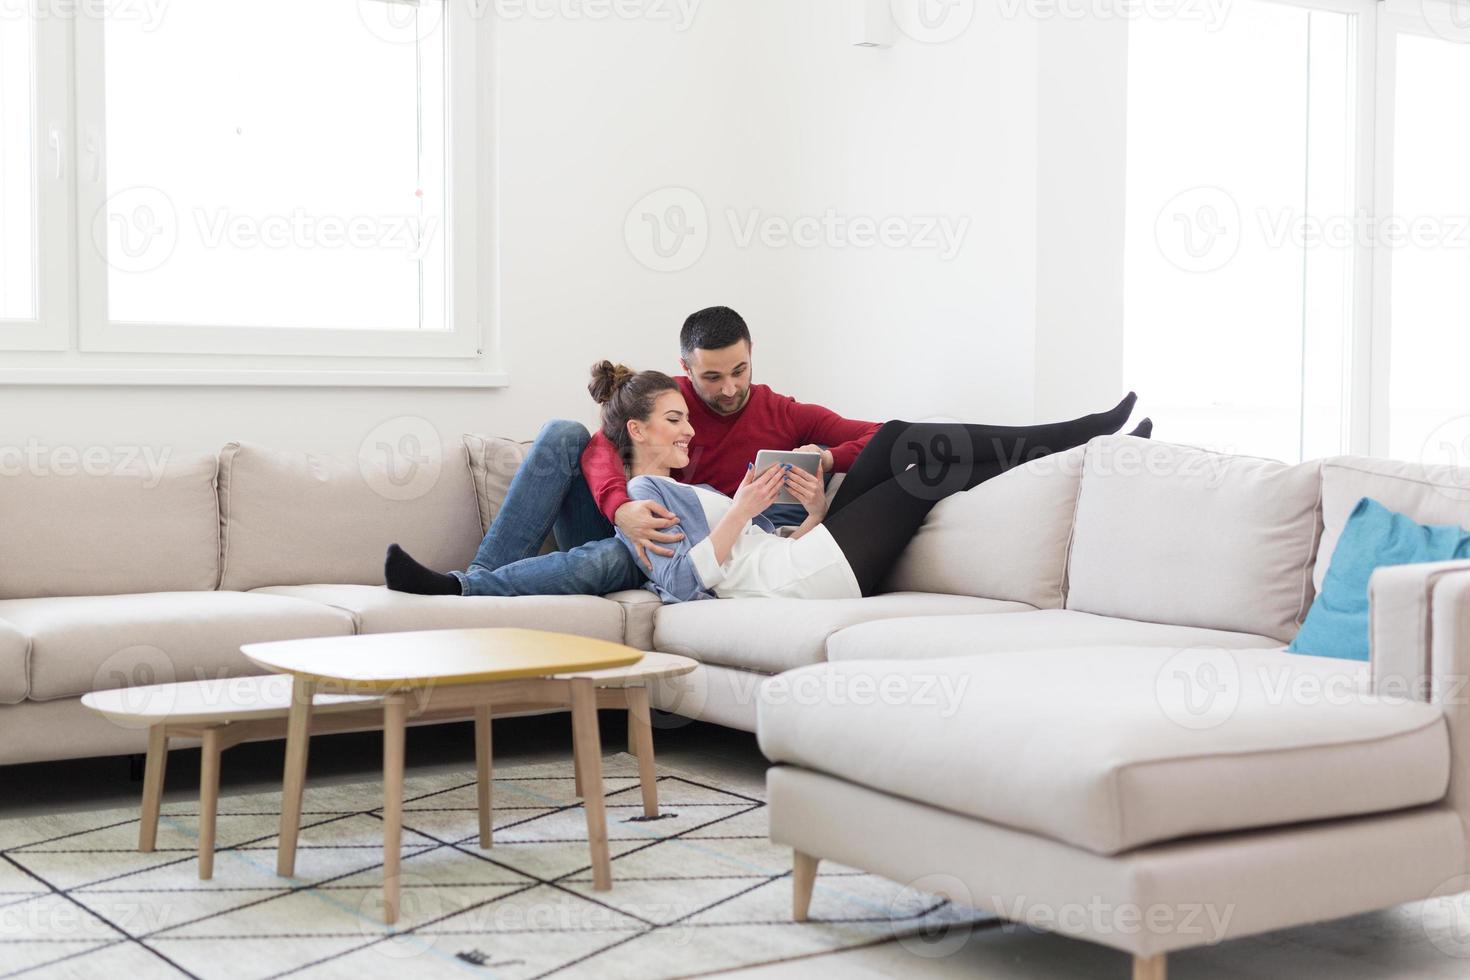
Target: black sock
point(406, 575)
point(1117, 416)
point(1144, 429)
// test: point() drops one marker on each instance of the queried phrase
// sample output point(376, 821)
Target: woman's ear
point(635, 430)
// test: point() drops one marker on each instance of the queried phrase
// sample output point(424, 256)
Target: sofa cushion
point(493, 464)
point(90, 643)
point(1045, 629)
point(1111, 748)
point(772, 635)
point(640, 609)
point(142, 525)
point(297, 518)
point(1170, 534)
point(1005, 539)
point(375, 609)
point(1427, 494)
point(15, 664)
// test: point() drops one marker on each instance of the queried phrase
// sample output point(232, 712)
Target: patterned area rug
point(700, 889)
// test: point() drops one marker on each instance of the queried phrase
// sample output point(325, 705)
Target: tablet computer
point(767, 458)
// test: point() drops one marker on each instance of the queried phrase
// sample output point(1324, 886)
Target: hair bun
point(607, 378)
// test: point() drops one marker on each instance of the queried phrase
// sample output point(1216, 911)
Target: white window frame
point(463, 340)
point(51, 241)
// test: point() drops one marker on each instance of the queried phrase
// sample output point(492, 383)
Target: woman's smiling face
point(663, 437)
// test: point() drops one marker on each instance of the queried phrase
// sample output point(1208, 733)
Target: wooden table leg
point(209, 754)
point(640, 733)
point(298, 735)
point(153, 787)
point(576, 762)
point(588, 751)
point(484, 769)
point(395, 716)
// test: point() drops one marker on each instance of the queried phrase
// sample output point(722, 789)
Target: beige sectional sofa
point(1141, 764)
point(1083, 617)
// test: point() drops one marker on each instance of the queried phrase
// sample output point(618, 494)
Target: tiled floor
point(1399, 943)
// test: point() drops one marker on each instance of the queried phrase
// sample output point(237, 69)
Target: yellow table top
point(382, 661)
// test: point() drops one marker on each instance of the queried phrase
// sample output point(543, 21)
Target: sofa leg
point(803, 879)
point(1151, 967)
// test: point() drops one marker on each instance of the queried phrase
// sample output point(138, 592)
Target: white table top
point(383, 661)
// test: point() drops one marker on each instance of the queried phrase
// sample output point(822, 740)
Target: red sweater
point(723, 445)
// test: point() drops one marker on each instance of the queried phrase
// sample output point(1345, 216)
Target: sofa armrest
point(1400, 610)
point(1449, 670)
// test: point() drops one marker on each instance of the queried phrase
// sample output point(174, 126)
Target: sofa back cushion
point(1426, 494)
point(302, 518)
point(1171, 534)
point(1005, 539)
point(493, 464)
point(147, 524)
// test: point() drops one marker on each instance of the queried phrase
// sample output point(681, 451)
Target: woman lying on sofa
point(728, 549)
point(843, 551)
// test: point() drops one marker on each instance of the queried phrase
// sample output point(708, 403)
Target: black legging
point(908, 467)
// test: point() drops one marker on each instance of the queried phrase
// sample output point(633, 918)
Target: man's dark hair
point(713, 329)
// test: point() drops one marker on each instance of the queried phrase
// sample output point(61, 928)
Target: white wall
point(762, 105)
point(1081, 150)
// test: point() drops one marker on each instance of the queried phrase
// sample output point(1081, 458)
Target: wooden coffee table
point(445, 670)
point(224, 712)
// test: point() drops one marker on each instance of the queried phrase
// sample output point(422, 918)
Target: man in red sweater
point(733, 419)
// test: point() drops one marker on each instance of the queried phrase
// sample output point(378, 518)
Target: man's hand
point(813, 448)
point(809, 491)
point(647, 525)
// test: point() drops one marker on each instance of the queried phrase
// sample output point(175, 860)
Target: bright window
point(18, 283)
point(1238, 288)
point(298, 177)
point(1429, 289)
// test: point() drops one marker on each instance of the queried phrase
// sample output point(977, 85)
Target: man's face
point(721, 377)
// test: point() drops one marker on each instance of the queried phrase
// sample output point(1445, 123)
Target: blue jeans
point(548, 494)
